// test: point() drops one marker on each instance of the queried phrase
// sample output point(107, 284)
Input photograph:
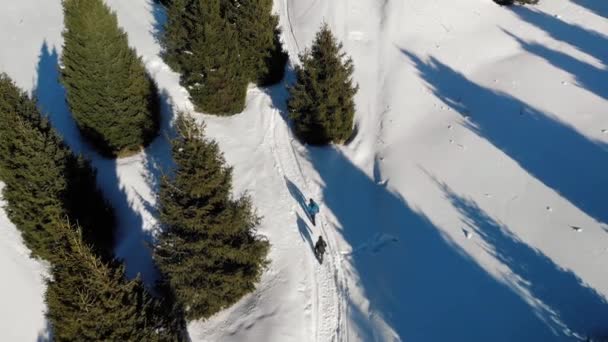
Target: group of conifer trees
point(53, 199)
point(52, 196)
point(209, 254)
point(220, 46)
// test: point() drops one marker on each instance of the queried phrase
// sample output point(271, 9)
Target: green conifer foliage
point(209, 252)
point(322, 99)
point(90, 300)
point(112, 98)
point(221, 45)
point(44, 180)
point(275, 62)
point(216, 81)
point(181, 25)
point(263, 55)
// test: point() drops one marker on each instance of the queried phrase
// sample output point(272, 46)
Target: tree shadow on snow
point(553, 152)
point(585, 40)
point(586, 75)
point(421, 283)
point(46, 334)
point(159, 12)
point(132, 240)
point(159, 159)
point(558, 296)
point(596, 6)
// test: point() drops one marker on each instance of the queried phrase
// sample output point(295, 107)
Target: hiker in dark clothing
point(320, 249)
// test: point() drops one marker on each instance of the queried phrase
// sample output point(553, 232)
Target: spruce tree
point(113, 99)
point(208, 252)
point(90, 300)
point(182, 24)
point(44, 180)
point(258, 35)
point(322, 99)
point(275, 62)
point(217, 81)
point(204, 47)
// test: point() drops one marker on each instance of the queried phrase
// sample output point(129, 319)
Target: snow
point(22, 287)
point(469, 206)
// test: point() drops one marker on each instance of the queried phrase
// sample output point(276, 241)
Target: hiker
point(313, 209)
point(320, 249)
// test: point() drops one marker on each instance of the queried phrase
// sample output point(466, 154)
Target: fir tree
point(258, 35)
point(321, 103)
point(90, 300)
point(209, 252)
point(182, 24)
point(204, 47)
point(112, 98)
point(275, 62)
point(44, 180)
point(216, 79)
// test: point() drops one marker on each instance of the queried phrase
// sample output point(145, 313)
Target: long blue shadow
point(553, 152)
point(564, 301)
point(132, 240)
point(422, 284)
point(599, 7)
point(585, 40)
point(159, 161)
point(587, 76)
point(159, 13)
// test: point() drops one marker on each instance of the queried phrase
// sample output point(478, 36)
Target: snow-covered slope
point(469, 207)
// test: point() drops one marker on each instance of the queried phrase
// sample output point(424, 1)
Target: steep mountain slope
point(468, 207)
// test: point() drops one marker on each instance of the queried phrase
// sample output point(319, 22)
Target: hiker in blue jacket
point(313, 209)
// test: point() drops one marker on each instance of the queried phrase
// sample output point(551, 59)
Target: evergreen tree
point(182, 24)
point(112, 98)
point(203, 46)
point(275, 62)
point(258, 35)
point(216, 79)
point(44, 180)
point(89, 300)
point(321, 103)
point(209, 252)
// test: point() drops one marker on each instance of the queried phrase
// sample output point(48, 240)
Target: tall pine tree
point(322, 99)
point(90, 300)
point(112, 98)
point(44, 180)
point(208, 253)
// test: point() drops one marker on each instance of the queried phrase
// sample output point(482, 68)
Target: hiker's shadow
point(297, 195)
point(305, 231)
